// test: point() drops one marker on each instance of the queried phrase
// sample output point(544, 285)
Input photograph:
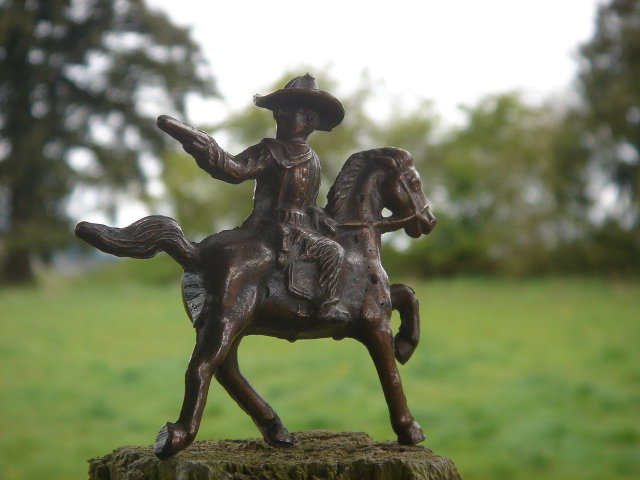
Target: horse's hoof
point(276, 435)
point(411, 434)
point(170, 440)
point(404, 348)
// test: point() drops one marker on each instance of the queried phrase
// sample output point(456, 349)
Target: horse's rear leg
point(251, 402)
point(213, 342)
point(379, 342)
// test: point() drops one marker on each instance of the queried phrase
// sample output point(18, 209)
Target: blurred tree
point(80, 81)
point(502, 193)
point(609, 76)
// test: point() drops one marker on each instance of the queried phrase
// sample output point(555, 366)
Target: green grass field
point(513, 380)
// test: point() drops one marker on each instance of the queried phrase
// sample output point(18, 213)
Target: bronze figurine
point(292, 270)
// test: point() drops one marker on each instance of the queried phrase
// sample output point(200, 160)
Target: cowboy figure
point(287, 175)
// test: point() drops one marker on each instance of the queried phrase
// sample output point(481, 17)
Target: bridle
point(390, 223)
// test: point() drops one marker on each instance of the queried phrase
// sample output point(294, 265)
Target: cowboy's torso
point(290, 185)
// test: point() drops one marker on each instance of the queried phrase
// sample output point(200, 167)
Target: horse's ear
point(388, 162)
point(394, 158)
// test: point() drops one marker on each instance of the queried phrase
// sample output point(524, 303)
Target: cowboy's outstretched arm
point(222, 165)
point(208, 154)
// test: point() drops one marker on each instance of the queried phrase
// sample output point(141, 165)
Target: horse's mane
point(344, 181)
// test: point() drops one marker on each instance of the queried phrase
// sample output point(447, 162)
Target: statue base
point(317, 455)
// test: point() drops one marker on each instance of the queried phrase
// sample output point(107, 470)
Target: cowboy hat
point(303, 91)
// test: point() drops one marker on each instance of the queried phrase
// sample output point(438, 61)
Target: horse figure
point(257, 301)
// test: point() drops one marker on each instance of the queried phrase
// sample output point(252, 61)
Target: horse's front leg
point(251, 402)
point(403, 299)
point(213, 341)
point(376, 336)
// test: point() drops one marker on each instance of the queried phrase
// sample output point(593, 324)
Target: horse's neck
point(363, 208)
point(363, 205)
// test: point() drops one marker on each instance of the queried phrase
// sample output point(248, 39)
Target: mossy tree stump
point(317, 455)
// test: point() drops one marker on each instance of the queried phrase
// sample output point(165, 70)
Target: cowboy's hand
point(320, 219)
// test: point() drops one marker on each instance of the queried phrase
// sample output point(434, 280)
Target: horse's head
point(402, 193)
point(376, 179)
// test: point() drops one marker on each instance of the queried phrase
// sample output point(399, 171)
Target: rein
point(384, 223)
point(392, 223)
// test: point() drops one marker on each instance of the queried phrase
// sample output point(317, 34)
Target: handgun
point(182, 132)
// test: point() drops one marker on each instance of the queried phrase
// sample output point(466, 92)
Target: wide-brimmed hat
point(303, 91)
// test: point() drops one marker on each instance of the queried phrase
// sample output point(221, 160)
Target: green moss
point(316, 455)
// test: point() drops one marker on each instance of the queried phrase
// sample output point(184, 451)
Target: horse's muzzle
point(427, 220)
point(422, 224)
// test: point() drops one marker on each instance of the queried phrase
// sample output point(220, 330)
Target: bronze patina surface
point(292, 270)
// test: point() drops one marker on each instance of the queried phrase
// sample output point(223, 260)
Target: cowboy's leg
point(329, 256)
point(251, 402)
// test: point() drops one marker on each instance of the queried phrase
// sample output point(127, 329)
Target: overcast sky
point(452, 52)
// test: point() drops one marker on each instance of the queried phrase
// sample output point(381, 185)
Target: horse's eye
point(415, 183)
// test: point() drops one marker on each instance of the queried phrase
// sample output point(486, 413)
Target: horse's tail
point(403, 299)
point(142, 239)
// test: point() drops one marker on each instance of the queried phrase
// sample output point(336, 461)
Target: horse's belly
point(292, 319)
